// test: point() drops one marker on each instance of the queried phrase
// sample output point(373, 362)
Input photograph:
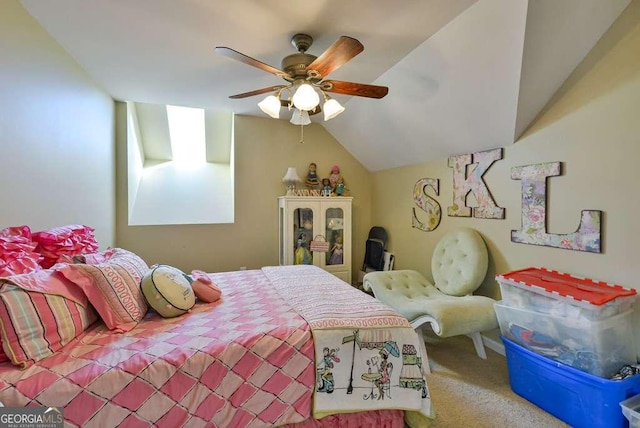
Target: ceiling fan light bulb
point(271, 106)
point(331, 109)
point(300, 117)
point(306, 97)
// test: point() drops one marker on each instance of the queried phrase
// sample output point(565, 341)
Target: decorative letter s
point(427, 204)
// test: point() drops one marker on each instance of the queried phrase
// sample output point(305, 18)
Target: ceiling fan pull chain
point(301, 134)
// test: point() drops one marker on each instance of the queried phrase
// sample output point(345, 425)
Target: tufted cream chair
point(459, 265)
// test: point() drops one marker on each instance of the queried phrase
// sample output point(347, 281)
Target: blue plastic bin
point(577, 398)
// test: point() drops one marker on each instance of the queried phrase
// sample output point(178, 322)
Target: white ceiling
point(463, 75)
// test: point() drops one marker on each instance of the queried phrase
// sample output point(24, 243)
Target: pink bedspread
point(247, 361)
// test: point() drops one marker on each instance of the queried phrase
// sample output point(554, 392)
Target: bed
point(284, 346)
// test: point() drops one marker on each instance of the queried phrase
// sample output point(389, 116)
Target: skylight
point(186, 131)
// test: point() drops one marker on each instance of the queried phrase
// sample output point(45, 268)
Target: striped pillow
point(90, 259)
point(113, 288)
point(35, 325)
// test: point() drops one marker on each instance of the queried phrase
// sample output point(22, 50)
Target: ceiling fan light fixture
point(300, 117)
point(331, 108)
point(271, 106)
point(305, 74)
point(306, 97)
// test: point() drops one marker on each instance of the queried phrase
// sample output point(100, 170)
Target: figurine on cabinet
point(340, 188)
point(312, 181)
point(326, 187)
point(334, 177)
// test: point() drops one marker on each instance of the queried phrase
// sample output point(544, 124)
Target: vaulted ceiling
point(463, 75)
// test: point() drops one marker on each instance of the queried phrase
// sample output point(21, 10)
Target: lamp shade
point(300, 117)
point(290, 179)
point(306, 97)
point(271, 106)
point(291, 176)
point(331, 109)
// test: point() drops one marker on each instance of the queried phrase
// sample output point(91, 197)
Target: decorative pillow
point(168, 291)
point(113, 288)
point(204, 288)
point(35, 325)
point(18, 251)
point(89, 259)
point(17, 231)
point(70, 240)
point(48, 281)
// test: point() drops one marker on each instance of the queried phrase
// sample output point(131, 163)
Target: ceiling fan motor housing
point(301, 42)
point(296, 64)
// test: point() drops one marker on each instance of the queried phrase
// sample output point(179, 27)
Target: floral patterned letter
point(463, 184)
point(534, 225)
point(427, 204)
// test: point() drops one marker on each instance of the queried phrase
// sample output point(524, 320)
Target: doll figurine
point(337, 252)
point(302, 254)
point(326, 187)
point(340, 189)
point(334, 177)
point(312, 177)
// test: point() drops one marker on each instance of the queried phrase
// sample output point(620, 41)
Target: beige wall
point(593, 127)
point(56, 134)
point(264, 148)
point(57, 141)
point(55, 119)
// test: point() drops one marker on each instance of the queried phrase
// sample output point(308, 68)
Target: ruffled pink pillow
point(18, 251)
point(70, 240)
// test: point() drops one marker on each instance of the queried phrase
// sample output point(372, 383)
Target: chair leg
point(477, 342)
point(423, 350)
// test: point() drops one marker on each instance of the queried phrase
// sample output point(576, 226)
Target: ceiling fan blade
point(258, 92)
point(351, 88)
point(233, 54)
point(341, 51)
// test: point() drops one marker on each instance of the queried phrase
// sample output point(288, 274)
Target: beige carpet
point(468, 391)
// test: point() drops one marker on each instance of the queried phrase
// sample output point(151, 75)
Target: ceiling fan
point(306, 74)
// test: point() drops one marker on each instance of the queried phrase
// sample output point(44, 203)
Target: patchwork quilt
point(245, 361)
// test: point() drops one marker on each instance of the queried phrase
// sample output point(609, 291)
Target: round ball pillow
point(168, 291)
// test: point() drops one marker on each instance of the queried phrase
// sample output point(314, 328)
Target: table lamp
point(290, 179)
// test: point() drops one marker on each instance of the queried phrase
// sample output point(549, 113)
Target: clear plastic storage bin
point(599, 347)
point(631, 410)
point(564, 295)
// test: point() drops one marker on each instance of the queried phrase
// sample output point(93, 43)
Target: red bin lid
point(596, 293)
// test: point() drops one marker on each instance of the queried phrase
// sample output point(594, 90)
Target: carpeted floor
point(468, 391)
